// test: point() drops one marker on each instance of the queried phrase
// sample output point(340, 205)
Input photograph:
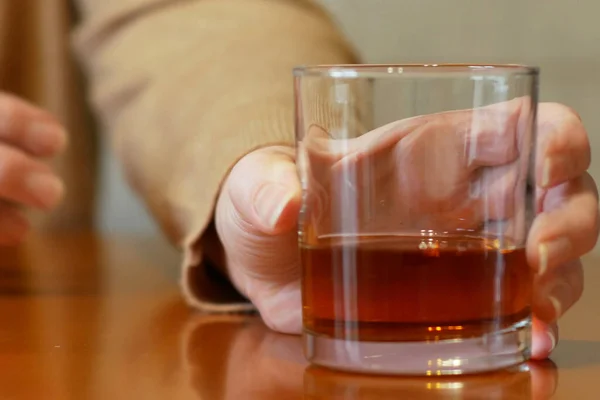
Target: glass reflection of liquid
point(536, 381)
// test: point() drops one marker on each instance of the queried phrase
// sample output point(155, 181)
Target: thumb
point(256, 219)
point(265, 191)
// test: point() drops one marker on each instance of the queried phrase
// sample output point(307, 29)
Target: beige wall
point(559, 36)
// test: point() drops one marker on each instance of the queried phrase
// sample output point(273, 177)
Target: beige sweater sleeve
point(185, 88)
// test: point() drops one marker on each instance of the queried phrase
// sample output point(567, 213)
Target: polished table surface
point(90, 317)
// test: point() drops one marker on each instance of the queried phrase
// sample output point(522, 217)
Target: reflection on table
point(86, 317)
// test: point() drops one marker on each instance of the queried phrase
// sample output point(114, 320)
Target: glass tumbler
point(418, 194)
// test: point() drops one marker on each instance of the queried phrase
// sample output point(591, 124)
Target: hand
point(28, 136)
point(257, 213)
point(567, 224)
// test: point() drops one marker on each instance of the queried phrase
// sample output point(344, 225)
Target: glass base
point(496, 350)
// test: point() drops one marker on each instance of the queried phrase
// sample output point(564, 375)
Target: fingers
point(557, 291)
point(568, 227)
point(494, 192)
point(265, 190)
point(13, 225)
point(28, 128)
point(26, 181)
point(564, 151)
point(492, 133)
point(557, 239)
point(544, 339)
point(485, 136)
point(482, 137)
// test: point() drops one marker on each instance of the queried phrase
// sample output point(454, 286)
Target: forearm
point(186, 88)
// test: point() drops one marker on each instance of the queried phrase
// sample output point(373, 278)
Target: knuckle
point(588, 182)
point(553, 108)
point(587, 228)
point(572, 112)
point(589, 223)
point(594, 228)
point(541, 224)
point(580, 141)
point(230, 224)
point(548, 110)
point(575, 279)
point(245, 169)
point(561, 119)
point(576, 139)
point(592, 214)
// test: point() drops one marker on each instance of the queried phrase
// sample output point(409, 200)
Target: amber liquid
point(413, 288)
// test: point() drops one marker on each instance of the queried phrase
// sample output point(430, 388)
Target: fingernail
point(556, 304)
point(560, 295)
point(46, 188)
point(553, 250)
point(543, 251)
point(270, 202)
point(45, 137)
point(546, 172)
point(552, 340)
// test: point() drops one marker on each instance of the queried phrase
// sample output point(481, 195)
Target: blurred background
point(561, 37)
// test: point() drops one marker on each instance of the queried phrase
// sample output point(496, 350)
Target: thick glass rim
point(399, 70)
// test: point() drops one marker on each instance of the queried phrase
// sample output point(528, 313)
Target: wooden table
point(85, 317)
